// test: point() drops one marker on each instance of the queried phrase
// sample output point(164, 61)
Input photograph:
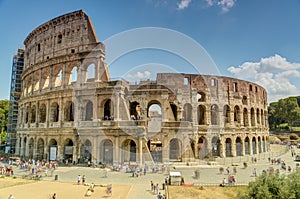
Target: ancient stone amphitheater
point(71, 110)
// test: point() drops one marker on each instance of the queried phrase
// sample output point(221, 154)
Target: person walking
point(254, 172)
point(78, 179)
point(83, 179)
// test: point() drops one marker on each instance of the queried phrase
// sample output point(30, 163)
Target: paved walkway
point(141, 185)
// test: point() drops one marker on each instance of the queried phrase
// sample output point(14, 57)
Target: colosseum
point(70, 109)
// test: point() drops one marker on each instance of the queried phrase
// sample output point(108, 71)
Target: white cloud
point(183, 4)
point(274, 73)
point(139, 75)
point(225, 5)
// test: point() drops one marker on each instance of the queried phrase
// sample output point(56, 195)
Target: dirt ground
point(176, 192)
point(27, 189)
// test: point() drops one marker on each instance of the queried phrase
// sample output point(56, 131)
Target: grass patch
point(210, 192)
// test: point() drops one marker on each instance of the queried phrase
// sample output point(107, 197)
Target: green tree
point(4, 107)
point(274, 186)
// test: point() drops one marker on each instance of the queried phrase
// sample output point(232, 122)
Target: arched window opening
point(107, 151)
point(91, 71)
point(89, 111)
point(239, 146)
point(58, 77)
point(74, 74)
point(201, 97)
point(43, 113)
point(69, 111)
point(202, 147)
point(252, 117)
point(228, 147)
point(187, 112)
point(174, 111)
point(155, 116)
point(247, 146)
point(54, 112)
point(245, 117)
point(215, 146)
point(135, 113)
point(226, 114)
point(87, 150)
point(237, 114)
point(201, 115)
point(244, 100)
point(108, 110)
point(254, 145)
point(257, 116)
point(33, 114)
point(214, 114)
point(174, 149)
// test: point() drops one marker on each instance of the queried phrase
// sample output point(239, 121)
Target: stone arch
point(247, 146)
point(237, 118)
point(216, 145)
point(259, 144)
point(154, 113)
point(174, 111)
point(201, 115)
point(254, 145)
point(40, 149)
point(108, 109)
point(90, 72)
point(252, 117)
point(53, 149)
point(45, 78)
point(174, 149)
point(202, 147)
point(69, 111)
point(135, 113)
point(228, 145)
point(58, 76)
point(87, 153)
point(239, 146)
point(107, 151)
point(244, 100)
point(42, 113)
point(37, 79)
point(187, 113)
point(30, 148)
point(226, 114)
point(214, 114)
point(73, 74)
point(245, 117)
point(257, 117)
point(33, 114)
point(54, 112)
point(68, 150)
point(129, 150)
point(201, 96)
point(89, 111)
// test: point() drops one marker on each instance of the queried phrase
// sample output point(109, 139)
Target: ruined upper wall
point(66, 34)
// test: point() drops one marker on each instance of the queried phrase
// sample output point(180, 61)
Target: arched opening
point(237, 114)
point(252, 117)
point(215, 146)
point(245, 117)
point(73, 75)
point(244, 100)
point(201, 97)
point(68, 150)
point(247, 146)
point(90, 72)
point(135, 113)
point(69, 111)
point(40, 149)
point(226, 114)
point(259, 145)
point(187, 112)
point(263, 144)
point(254, 145)
point(202, 147)
point(155, 115)
point(214, 114)
point(107, 151)
point(228, 147)
point(129, 150)
point(262, 118)
point(108, 110)
point(239, 146)
point(174, 110)
point(257, 116)
point(45, 78)
point(58, 76)
point(36, 81)
point(89, 111)
point(155, 147)
point(87, 155)
point(52, 149)
point(54, 112)
point(43, 113)
point(31, 148)
point(174, 150)
point(33, 114)
point(27, 115)
point(201, 115)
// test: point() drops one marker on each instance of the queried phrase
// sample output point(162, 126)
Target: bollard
point(56, 177)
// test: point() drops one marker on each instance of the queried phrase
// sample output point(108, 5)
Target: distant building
point(15, 93)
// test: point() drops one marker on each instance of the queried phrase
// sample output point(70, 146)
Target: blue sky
point(255, 40)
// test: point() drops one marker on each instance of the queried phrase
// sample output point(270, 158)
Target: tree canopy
point(4, 107)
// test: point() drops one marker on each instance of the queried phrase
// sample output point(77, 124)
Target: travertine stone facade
point(70, 109)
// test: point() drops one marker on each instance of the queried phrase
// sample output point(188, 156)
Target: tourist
point(109, 189)
point(224, 182)
point(227, 169)
point(159, 196)
point(54, 196)
point(78, 179)
point(10, 196)
point(83, 179)
point(254, 172)
point(152, 185)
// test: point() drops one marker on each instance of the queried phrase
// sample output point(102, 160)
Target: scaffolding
point(15, 93)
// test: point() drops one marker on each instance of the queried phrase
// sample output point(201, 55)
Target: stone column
point(27, 148)
point(95, 151)
point(141, 151)
point(250, 147)
point(233, 148)
point(22, 146)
